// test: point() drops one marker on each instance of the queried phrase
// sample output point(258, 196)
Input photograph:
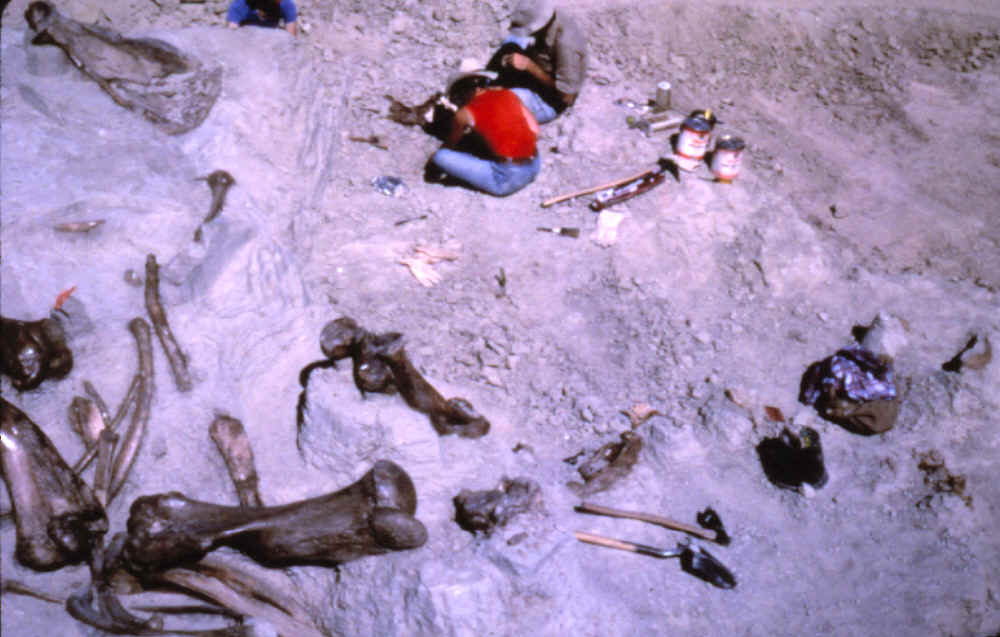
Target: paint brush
point(566, 232)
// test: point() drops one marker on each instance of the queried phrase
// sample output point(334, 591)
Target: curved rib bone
point(370, 517)
point(129, 447)
point(59, 520)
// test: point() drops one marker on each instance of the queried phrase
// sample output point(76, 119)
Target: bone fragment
point(382, 365)
point(176, 358)
point(221, 594)
point(78, 226)
point(219, 181)
point(232, 442)
point(129, 447)
point(609, 464)
point(85, 417)
point(112, 425)
point(455, 415)
point(59, 520)
point(102, 475)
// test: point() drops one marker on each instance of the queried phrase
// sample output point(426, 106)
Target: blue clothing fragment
point(497, 177)
point(240, 13)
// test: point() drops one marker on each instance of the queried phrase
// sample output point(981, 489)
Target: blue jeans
point(495, 177)
point(543, 112)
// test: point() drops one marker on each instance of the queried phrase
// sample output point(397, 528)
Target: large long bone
point(370, 517)
point(59, 520)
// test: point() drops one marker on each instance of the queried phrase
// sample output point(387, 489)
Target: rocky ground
point(869, 186)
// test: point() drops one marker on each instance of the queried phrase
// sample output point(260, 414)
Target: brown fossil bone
point(482, 511)
point(132, 439)
point(375, 515)
point(87, 420)
point(382, 365)
point(32, 351)
point(608, 464)
point(76, 412)
point(219, 182)
point(232, 442)
point(451, 416)
point(343, 337)
point(59, 520)
point(158, 316)
point(145, 75)
point(216, 584)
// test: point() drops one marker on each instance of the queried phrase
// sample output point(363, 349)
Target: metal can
point(692, 141)
point(726, 158)
point(662, 101)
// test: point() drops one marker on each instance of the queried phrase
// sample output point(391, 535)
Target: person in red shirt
point(492, 143)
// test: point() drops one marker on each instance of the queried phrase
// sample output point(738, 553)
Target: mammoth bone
point(59, 520)
point(370, 517)
point(145, 75)
point(382, 365)
point(32, 351)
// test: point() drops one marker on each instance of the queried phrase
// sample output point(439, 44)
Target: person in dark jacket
point(263, 13)
point(543, 59)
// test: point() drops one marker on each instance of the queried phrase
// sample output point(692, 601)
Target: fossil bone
point(342, 338)
point(370, 517)
point(32, 351)
point(608, 465)
point(145, 75)
point(129, 447)
point(382, 365)
point(59, 520)
point(451, 416)
point(112, 425)
point(219, 181)
point(176, 358)
point(231, 439)
point(482, 511)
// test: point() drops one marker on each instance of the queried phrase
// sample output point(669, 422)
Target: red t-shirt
point(501, 121)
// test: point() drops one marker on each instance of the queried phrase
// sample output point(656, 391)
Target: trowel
point(696, 561)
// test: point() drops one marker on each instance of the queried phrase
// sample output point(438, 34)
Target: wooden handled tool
point(593, 189)
point(566, 232)
point(632, 547)
point(667, 523)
